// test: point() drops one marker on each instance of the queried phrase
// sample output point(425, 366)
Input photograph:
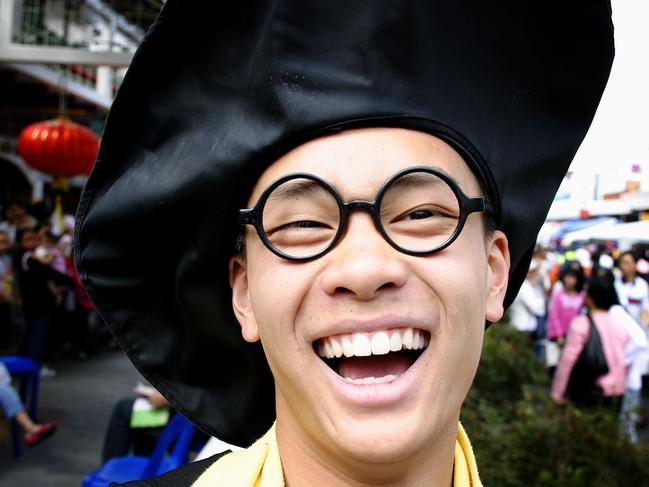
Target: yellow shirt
point(260, 465)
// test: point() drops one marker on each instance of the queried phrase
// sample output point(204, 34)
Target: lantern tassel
point(58, 212)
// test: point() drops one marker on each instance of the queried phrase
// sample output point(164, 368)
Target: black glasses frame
point(254, 216)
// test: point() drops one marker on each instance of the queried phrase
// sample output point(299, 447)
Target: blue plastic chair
point(135, 467)
point(29, 373)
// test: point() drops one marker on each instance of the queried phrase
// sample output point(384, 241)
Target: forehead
point(357, 162)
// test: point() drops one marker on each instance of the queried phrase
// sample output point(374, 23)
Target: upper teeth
point(375, 343)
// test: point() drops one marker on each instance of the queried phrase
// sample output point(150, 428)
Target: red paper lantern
point(59, 147)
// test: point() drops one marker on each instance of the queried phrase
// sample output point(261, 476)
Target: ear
point(498, 263)
point(241, 300)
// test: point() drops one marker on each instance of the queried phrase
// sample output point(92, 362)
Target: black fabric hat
point(218, 90)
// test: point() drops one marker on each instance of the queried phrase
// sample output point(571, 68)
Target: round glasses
point(418, 211)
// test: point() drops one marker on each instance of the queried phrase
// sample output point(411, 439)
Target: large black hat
point(218, 90)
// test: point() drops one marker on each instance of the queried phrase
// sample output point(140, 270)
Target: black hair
point(601, 289)
point(570, 265)
point(488, 218)
point(240, 244)
point(577, 273)
point(629, 252)
point(22, 231)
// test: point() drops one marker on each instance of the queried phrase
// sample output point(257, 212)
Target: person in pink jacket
point(566, 303)
point(600, 297)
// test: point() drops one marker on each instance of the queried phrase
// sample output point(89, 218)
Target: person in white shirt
point(633, 294)
point(529, 304)
point(632, 290)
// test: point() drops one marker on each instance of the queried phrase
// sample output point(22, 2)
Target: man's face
point(15, 213)
point(11, 213)
point(627, 265)
point(364, 286)
point(29, 240)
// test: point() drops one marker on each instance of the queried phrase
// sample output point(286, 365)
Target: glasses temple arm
point(477, 205)
point(247, 216)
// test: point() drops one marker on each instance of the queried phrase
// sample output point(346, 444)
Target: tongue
point(395, 363)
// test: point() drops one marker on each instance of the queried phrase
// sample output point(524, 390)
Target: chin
point(382, 440)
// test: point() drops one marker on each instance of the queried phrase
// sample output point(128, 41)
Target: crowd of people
point(44, 314)
point(44, 311)
point(590, 296)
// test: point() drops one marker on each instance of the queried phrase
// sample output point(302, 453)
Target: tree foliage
point(521, 437)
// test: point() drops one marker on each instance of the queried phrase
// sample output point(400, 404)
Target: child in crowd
point(49, 254)
point(566, 303)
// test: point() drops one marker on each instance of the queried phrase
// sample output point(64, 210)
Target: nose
point(363, 264)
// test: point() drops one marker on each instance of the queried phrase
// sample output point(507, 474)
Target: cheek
point(277, 288)
point(463, 270)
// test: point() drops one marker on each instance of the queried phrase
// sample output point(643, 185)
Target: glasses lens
point(301, 217)
point(420, 212)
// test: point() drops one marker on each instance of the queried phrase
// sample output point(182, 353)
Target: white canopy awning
point(571, 209)
point(587, 233)
point(626, 234)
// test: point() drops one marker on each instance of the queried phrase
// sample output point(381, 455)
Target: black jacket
point(184, 476)
point(32, 280)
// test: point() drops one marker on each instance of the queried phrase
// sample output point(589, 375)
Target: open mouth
point(372, 358)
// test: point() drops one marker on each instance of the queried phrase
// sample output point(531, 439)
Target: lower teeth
point(372, 380)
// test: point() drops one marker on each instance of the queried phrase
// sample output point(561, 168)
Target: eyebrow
point(417, 180)
point(297, 188)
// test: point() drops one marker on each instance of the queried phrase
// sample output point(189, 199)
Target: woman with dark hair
point(566, 302)
point(38, 302)
point(600, 297)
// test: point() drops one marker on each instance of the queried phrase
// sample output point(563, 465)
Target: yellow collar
point(260, 465)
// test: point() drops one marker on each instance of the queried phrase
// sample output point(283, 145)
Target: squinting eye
point(305, 224)
point(421, 214)
point(300, 224)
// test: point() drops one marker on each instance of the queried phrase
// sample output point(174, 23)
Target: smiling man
point(356, 189)
point(378, 337)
